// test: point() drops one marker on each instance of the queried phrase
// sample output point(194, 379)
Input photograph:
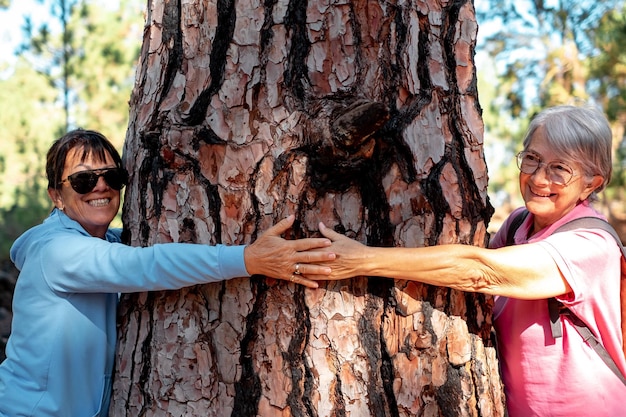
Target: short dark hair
point(92, 143)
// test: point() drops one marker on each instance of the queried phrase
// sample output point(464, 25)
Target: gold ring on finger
point(293, 278)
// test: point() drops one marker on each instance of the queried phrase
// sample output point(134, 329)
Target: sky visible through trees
point(12, 21)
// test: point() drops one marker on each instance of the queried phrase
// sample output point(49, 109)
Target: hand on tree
point(290, 260)
point(350, 256)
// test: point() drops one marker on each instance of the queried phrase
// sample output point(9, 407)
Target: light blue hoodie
point(62, 346)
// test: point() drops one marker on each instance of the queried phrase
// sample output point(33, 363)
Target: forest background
point(74, 66)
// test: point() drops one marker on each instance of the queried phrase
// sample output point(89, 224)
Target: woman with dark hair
point(72, 266)
point(565, 161)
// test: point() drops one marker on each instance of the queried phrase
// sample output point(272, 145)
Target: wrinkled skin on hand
point(273, 256)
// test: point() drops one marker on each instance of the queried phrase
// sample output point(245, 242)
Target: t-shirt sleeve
point(589, 260)
point(77, 263)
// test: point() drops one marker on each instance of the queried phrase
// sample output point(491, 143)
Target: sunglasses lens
point(84, 182)
point(116, 178)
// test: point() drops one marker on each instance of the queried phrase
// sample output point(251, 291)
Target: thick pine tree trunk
point(361, 114)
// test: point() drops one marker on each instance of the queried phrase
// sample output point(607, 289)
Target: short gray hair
point(580, 134)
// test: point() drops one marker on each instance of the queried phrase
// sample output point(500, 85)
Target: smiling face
point(548, 201)
point(97, 208)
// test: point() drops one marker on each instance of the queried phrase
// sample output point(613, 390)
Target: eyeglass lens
point(84, 181)
point(558, 172)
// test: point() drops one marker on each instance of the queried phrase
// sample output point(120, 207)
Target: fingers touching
point(302, 261)
point(329, 233)
point(273, 256)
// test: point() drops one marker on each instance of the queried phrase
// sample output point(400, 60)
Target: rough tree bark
point(362, 114)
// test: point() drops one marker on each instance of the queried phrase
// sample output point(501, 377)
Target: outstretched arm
point(523, 271)
point(273, 256)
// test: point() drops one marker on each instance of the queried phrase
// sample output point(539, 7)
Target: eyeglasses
point(84, 181)
point(557, 172)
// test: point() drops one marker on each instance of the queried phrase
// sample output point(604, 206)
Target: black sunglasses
point(84, 181)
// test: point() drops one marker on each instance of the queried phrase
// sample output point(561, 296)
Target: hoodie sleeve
point(76, 263)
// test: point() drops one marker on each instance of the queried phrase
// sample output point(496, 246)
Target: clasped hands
point(303, 261)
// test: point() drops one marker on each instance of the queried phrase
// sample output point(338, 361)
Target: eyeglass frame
point(549, 171)
point(98, 173)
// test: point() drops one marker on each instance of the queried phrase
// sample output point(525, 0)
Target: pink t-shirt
point(565, 377)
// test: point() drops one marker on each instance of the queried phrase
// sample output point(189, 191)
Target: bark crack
point(387, 373)
point(299, 398)
point(226, 17)
point(382, 400)
point(150, 170)
point(171, 35)
point(146, 359)
point(248, 388)
point(296, 71)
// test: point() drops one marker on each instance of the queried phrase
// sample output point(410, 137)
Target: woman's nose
point(541, 173)
point(101, 184)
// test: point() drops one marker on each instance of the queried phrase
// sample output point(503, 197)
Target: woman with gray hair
point(548, 367)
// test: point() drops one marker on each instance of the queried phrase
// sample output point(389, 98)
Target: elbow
point(481, 282)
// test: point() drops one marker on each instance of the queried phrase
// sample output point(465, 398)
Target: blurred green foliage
point(608, 69)
point(536, 54)
point(26, 127)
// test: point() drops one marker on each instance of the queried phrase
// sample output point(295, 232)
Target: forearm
point(468, 268)
point(455, 266)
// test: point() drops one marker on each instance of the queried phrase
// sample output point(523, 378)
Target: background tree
point(57, 63)
point(90, 59)
point(361, 114)
point(540, 46)
point(23, 201)
point(544, 54)
point(608, 72)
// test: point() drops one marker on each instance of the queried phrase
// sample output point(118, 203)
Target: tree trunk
point(361, 114)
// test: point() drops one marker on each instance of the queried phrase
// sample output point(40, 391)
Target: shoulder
point(34, 239)
point(583, 254)
point(583, 229)
point(60, 238)
point(512, 223)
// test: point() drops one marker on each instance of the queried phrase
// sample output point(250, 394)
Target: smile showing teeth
point(541, 194)
point(101, 202)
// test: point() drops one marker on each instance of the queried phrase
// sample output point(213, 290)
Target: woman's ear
point(595, 182)
point(55, 196)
